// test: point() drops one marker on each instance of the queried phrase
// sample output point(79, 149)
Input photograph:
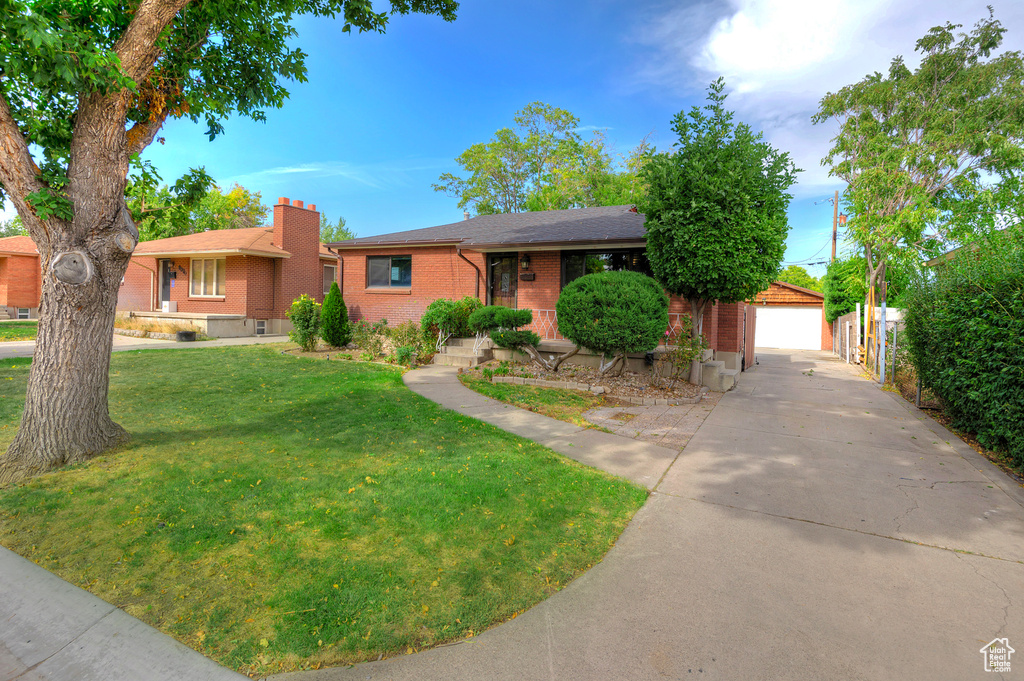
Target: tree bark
point(66, 419)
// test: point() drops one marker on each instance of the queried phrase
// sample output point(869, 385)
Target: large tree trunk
point(66, 419)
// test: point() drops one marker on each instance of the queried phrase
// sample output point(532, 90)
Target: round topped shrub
point(614, 313)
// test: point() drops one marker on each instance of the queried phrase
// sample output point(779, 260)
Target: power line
point(805, 261)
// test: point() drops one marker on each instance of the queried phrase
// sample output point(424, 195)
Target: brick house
point(232, 282)
point(791, 317)
point(20, 278)
point(520, 260)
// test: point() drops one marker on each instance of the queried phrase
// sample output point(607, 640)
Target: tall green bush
point(334, 325)
point(614, 313)
point(305, 318)
point(965, 329)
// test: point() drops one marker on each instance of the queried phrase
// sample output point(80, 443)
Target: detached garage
point(791, 317)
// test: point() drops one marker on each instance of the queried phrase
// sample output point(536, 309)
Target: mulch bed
point(629, 384)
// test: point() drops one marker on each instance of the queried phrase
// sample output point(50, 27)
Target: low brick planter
point(598, 390)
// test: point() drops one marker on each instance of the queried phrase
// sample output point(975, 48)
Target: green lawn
point(564, 405)
point(276, 512)
point(17, 331)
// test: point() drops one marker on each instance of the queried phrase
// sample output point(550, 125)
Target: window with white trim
point(208, 277)
point(23, 313)
point(330, 276)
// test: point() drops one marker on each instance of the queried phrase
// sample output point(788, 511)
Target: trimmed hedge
point(613, 312)
point(965, 331)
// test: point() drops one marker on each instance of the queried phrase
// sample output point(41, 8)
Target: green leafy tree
point(165, 213)
point(335, 328)
point(716, 210)
point(332, 232)
point(542, 164)
point(843, 286)
point(911, 144)
point(85, 88)
point(12, 227)
point(614, 313)
point(798, 276)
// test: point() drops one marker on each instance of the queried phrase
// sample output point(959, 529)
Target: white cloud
point(779, 57)
point(375, 175)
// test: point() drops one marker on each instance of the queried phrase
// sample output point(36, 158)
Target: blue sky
point(382, 116)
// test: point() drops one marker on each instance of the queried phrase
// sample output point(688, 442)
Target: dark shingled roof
point(535, 228)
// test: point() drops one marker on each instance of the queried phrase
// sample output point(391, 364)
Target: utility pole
point(835, 222)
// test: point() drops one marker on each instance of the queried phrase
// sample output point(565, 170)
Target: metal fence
point(848, 344)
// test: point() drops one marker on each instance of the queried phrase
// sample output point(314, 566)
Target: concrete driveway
point(814, 527)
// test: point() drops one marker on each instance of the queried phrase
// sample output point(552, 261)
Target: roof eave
point(564, 244)
point(410, 243)
point(216, 252)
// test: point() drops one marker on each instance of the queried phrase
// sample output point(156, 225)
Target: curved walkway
point(814, 527)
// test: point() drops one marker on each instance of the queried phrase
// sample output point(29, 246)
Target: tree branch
point(19, 174)
point(136, 48)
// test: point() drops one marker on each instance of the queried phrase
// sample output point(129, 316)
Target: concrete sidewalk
point(815, 527)
point(124, 343)
point(51, 630)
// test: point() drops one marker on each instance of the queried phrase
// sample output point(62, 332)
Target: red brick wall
point(541, 293)
point(259, 298)
point(437, 272)
point(730, 327)
point(826, 332)
point(138, 291)
point(20, 281)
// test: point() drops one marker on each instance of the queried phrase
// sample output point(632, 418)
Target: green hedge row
point(965, 328)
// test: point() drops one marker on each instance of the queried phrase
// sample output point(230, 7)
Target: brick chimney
point(465, 215)
point(297, 230)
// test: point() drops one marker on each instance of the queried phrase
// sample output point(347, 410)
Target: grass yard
point(279, 513)
point(18, 331)
point(564, 405)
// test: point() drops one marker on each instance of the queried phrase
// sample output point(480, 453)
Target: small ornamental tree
point(305, 318)
point(334, 325)
point(503, 324)
point(715, 210)
point(614, 313)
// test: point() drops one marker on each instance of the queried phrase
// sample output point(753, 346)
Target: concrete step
point(716, 377)
point(484, 354)
point(456, 360)
point(469, 343)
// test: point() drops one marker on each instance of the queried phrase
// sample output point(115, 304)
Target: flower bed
point(628, 387)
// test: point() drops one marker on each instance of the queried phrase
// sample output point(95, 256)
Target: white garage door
point(793, 328)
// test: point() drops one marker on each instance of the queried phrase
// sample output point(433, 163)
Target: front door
point(165, 281)
point(503, 280)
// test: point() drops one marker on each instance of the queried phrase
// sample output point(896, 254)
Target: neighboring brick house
point(232, 282)
point(791, 317)
point(521, 260)
point(20, 278)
